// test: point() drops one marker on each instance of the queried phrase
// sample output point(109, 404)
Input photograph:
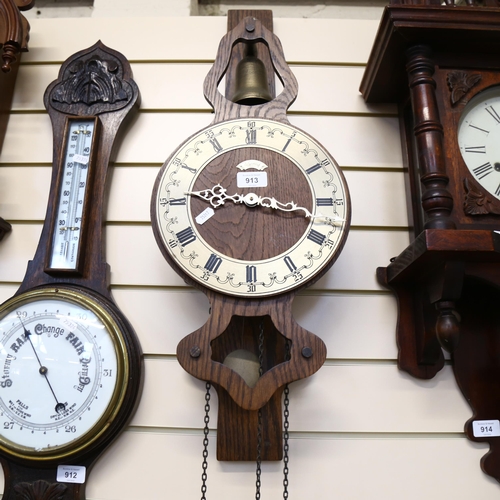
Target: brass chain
point(206, 429)
point(286, 436)
point(258, 469)
point(286, 425)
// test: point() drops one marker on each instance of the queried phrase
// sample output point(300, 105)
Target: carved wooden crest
point(476, 202)
point(40, 490)
point(460, 82)
point(92, 84)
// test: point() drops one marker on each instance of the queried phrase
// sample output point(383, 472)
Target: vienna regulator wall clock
point(70, 361)
point(250, 210)
point(441, 64)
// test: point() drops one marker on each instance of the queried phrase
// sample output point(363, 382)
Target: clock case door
point(426, 58)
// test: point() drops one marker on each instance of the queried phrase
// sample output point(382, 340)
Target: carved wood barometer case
point(70, 361)
point(250, 210)
point(441, 64)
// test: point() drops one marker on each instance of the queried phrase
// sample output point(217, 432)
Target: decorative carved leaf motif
point(40, 490)
point(92, 81)
point(476, 203)
point(460, 82)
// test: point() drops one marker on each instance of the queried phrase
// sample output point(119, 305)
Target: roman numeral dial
point(479, 139)
point(210, 231)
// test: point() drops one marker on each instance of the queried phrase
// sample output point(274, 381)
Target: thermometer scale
point(74, 184)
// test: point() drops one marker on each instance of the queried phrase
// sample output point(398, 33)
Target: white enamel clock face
point(479, 139)
point(251, 207)
point(61, 372)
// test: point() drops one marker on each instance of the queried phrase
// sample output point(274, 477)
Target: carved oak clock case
point(250, 210)
point(441, 64)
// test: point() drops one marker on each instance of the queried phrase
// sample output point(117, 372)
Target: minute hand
point(217, 196)
point(252, 200)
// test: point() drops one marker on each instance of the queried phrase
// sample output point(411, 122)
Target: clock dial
point(251, 207)
point(73, 189)
point(63, 372)
point(479, 139)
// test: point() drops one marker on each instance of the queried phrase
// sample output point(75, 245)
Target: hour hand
point(217, 196)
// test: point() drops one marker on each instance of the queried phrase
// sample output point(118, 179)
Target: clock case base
point(447, 284)
point(447, 281)
point(202, 354)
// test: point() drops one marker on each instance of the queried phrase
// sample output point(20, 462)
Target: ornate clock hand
point(252, 200)
point(43, 370)
point(217, 197)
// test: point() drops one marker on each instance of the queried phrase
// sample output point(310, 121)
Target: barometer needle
point(43, 369)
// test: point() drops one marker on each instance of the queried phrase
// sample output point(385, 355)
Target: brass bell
point(251, 85)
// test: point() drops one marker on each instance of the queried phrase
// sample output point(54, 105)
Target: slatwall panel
point(360, 428)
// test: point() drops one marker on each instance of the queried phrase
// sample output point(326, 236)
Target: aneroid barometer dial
point(251, 207)
point(63, 365)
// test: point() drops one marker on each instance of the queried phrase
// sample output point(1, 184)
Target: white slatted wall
point(360, 428)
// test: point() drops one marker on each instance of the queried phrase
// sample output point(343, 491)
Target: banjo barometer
point(70, 363)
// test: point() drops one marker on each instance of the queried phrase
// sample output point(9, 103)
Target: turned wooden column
point(437, 201)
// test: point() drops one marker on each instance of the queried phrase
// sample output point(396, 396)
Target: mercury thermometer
point(74, 186)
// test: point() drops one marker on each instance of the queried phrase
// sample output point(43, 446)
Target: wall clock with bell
point(70, 361)
point(441, 64)
point(250, 210)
